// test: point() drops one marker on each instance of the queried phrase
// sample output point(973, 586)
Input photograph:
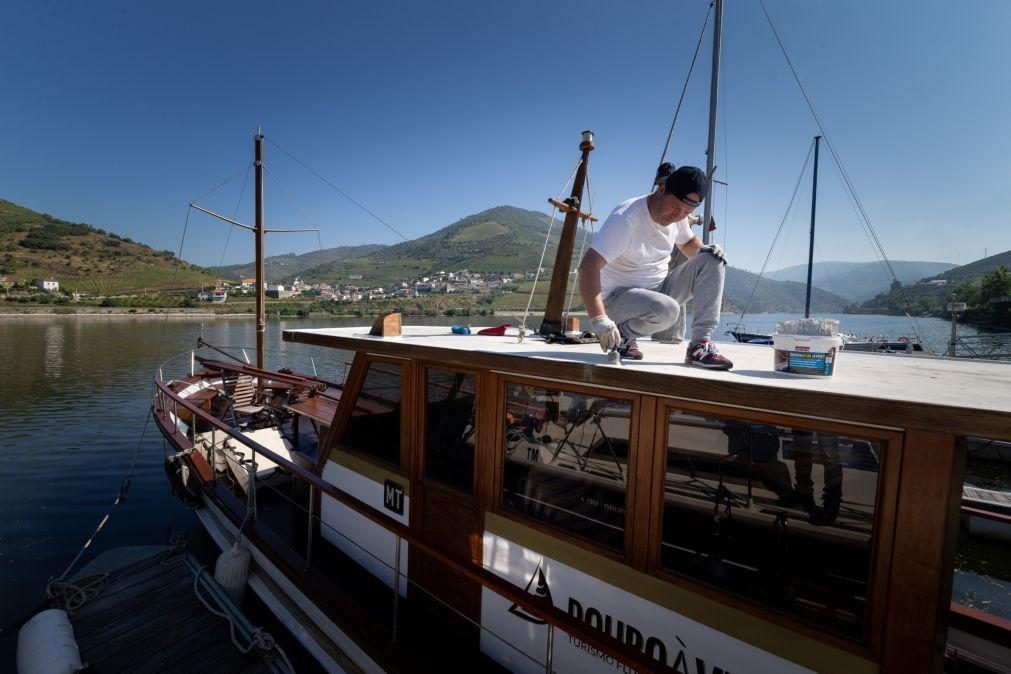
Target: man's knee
point(665, 312)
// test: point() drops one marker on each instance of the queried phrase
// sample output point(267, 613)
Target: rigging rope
point(339, 191)
point(789, 207)
point(128, 480)
point(544, 250)
point(220, 185)
point(235, 215)
point(301, 210)
point(587, 224)
point(684, 88)
point(863, 217)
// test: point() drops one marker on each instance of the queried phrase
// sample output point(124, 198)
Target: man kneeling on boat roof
point(627, 286)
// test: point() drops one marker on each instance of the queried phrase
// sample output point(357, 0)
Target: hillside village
point(482, 263)
point(357, 290)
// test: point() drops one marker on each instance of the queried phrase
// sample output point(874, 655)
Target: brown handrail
point(986, 514)
point(556, 617)
point(293, 379)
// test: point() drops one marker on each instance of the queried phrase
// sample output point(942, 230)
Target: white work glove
point(715, 250)
point(606, 331)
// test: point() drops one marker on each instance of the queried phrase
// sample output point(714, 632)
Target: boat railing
point(185, 364)
point(989, 346)
point(169, 402)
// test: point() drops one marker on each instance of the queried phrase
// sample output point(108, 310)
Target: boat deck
point(967, 397)
point(147, 619)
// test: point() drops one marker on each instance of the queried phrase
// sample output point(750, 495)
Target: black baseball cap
point(686, 180)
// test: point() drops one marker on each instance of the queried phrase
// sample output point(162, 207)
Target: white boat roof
point(966, 388)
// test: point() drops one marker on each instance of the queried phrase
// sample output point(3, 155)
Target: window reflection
point(566, 460)
point(779, 514)
point(449, 428)
point(374, 427)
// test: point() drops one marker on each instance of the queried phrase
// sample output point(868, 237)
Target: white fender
point(46, 645)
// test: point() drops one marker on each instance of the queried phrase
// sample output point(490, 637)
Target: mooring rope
point(262, 640)
point(544, 250)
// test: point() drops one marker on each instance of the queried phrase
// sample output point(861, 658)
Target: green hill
point(509, 239)
point(500, 239)
point(775, 296)
point(927, 298)
point(289, 265)
point(84, 258)
point(859, 281)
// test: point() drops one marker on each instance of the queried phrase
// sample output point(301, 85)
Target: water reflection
point(53, 360)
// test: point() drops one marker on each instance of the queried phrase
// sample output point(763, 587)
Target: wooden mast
point(552, 324)
point(261, 323)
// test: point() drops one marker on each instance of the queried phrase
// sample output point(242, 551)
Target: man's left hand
point(716, 251)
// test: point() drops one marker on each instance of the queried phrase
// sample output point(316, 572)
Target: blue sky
point(120, 113)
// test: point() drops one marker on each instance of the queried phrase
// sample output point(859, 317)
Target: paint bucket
point(806, 355)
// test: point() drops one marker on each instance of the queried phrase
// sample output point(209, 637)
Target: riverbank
point(202, 312)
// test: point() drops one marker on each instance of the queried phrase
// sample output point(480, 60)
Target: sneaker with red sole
point(705, 354)
point(629, 349)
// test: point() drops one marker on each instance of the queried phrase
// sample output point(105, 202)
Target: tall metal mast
point(261, 322)
point(714, 95)
point(810, 250)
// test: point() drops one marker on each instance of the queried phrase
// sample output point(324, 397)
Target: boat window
point(449, 428)
point(374, 427)
point(982, 579)
point(566, 461)
point(781, 515)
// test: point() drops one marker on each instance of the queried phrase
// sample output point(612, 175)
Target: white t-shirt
point(636, 248)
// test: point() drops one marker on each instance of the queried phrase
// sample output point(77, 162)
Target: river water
point(74, 396)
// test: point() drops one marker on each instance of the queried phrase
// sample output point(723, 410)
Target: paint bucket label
point(805, 355)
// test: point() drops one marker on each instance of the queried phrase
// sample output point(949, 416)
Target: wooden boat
point(507, 503)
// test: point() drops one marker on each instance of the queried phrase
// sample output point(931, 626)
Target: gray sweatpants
point(659, 311)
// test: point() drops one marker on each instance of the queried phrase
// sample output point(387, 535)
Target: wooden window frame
point(494, 499)
point(422, 368)
point(361, 364)
point(869, 645)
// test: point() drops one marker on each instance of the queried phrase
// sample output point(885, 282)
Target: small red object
point(497, 331)
point(712, 224)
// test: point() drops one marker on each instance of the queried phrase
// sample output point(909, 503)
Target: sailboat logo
point(537, 586)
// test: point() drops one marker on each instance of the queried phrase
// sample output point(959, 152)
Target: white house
point(49, 285)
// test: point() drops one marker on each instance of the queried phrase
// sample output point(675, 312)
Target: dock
point(987, 499)
point(147, 619)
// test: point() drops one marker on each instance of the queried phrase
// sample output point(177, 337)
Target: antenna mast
point(714, 96)
point(810, 250)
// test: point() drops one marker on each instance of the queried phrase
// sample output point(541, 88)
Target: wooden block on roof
point(387, 325)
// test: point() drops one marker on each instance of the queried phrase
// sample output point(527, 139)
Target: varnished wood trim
point(847, 408)
point(345, 407)
point(641, 507)
point(885, 504)
point(882, 533)
point(630, 470)
point(919, 590)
